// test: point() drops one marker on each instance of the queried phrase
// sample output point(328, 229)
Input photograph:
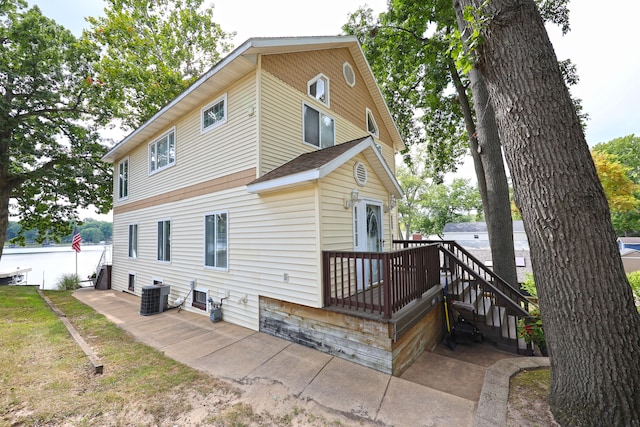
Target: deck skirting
point(367, 342)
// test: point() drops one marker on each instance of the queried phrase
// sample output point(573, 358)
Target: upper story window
point(318, 88)
point(123, 179)
point(162, 152)
point(349, 74)
point(214, 114)
point(372, 127)
point(318, 128)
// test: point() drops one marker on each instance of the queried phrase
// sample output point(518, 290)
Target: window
point(349, 74)
point(318, 128)
point(164, 240)
point(318, 88)
point(216, 240)
point(133, 240)
point(214, 114)
point(372, 127)
point(123, 179)
point(162, 152)
point(199, 299)
point(132, 282)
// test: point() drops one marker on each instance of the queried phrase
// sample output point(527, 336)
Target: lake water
point(49, 264)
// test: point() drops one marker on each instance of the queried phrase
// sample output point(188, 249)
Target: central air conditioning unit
point(155, 299)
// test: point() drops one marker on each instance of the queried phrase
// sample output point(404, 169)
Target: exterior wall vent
point(360, 173)
point(349, 74)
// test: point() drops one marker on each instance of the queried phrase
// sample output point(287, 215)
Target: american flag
point(75, 243)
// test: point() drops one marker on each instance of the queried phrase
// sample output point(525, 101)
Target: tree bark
point(488, 162)
point(591, 323)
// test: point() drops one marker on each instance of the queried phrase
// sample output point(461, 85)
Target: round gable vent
point(349, 74)
point(360, 173)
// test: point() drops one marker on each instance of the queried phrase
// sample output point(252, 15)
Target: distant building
point(474, 237)
point(628, 243)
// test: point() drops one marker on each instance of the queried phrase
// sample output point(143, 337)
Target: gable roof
point(317, 164)
point(236, 65)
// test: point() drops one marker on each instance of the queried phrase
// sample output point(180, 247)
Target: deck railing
point(379, 283)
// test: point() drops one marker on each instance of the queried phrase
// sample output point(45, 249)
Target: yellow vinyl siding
point(200, 157)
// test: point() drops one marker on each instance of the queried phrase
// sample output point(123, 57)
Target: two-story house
point(235, 190)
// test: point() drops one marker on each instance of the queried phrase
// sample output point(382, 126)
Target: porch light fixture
point(391, 205)
point(353, 197)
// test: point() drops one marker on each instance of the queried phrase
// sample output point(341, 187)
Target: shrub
point(634, 281)
point(529, 285)
point(68, 282)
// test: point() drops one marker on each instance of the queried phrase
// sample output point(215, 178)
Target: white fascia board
point(111, 154)
point(285, 181)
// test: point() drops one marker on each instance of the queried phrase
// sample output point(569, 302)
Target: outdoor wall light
point(391, 205)
point(354, 197)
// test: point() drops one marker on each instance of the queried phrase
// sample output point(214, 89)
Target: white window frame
point(135, 279)
point(321, 114)
point(131, 249)
point(153, 148)
point(123, 179)
point(216, 266)
point(165, 241)
point(223, 120)
point(326, 89)
point(371, 119)
point(194, 304)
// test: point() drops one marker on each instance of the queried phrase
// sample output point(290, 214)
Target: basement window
point(199, 299)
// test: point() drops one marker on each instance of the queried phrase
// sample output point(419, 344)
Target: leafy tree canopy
point(443, 203)
point(152, 51)
point(50, 150)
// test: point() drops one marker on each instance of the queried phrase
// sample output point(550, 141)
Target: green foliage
point(408, 49)
point(153, 50)
point(50, 110)
point(68, 282)
point(91, 231)
point(634, 281)
point(626, 150)
point(531, 329)
point(529, 285)
point(442, 203)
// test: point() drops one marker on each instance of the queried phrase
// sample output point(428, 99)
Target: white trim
point(321, 113)
point(125, 160)
point(369, 114)
point(204, 261)
point(391, 183)
point(327, 91)
point(155, 141)
point(135, 280)
point(206, 299)
point(216, 101)
point(346, 65)
point(170, 240)
point(129, 240)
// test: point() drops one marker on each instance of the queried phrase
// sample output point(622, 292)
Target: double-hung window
point(123, 179)
point(214, 114)
point(216, 240)
point(162, 152)
point(133, 240)
point(318, 128)
point(164, 240)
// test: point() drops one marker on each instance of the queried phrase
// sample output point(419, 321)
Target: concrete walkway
point(440, 388)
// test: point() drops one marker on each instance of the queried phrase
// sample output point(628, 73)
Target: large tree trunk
point(488, 162)
point(590, 320)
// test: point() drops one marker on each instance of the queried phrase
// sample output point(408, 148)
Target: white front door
point(368, 237)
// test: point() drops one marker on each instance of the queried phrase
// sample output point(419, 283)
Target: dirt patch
point(527, 405)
